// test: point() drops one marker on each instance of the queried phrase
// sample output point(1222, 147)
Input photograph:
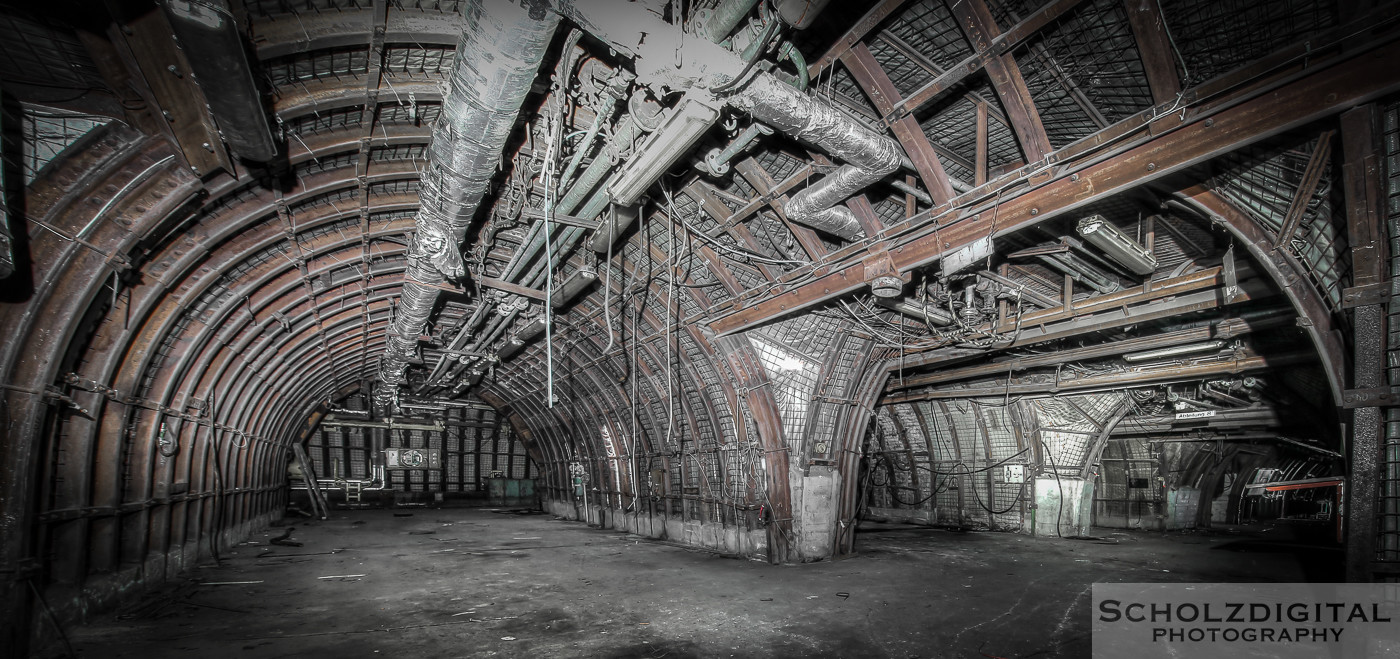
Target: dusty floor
point(472, 582)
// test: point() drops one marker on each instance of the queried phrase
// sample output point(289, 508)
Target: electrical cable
point(1059, 509)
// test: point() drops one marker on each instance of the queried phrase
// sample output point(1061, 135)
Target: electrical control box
point(413, 458)
point(1013, 473)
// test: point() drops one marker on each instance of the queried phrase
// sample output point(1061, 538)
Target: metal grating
point(1262, 180)
point(1216, 36)
point(47, 134)
point(40, 52)
point(331, 63)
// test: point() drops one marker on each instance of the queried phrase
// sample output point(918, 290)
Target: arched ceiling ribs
point(285, 35)
point(1288, 274)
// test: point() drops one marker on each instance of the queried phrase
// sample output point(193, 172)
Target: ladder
point(313, 489)
point(353, 490)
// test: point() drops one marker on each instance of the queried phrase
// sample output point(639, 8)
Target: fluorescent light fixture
point(916, 310)
point(1118, 246)
point(613, 226)
point(572, 286)
point(511, 347)
point(1173, 351)
point(679, 131)
point(531, 329)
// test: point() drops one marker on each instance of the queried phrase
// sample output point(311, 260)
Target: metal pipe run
point(869, 156)
point(498, 57)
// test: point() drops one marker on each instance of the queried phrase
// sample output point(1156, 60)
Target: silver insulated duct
point(869, 156)
point(498, 57)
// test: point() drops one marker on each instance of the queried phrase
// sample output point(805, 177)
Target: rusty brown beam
point(882, 92)
point(1154, 48)
point(1069, 382)
point(1147, 148)
point(1312, 174)
point(855, 35)
point(981, 28)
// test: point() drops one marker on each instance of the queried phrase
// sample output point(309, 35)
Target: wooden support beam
point(1366, 233)
point(979, 170)
point(1155, 49)
point(883, 94)
point(995, 48)
point(855, 35)
point(977, 23)
point(1317, 164)
point(1086, 172)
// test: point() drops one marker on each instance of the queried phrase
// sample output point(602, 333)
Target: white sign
point(1195, 415)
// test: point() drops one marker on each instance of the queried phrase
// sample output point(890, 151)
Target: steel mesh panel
point(792, 378)
point(929, 27)
point(47, 134)
point(906, 74)
point(779, 165)
point(318, 65)
point(1262, 181)
point(1091, 50)
point(327, 163)
point(1216, 36)
point(324, 121)
point(35, 50)
point(414, 114)
point(418, 61)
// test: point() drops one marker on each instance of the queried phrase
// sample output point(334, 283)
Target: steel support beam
point(882, 92)
point(1148, 147)
point(981, 29)
point(1155, 48)
point(1366, 233)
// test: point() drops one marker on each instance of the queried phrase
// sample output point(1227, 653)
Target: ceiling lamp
point(1102, 234)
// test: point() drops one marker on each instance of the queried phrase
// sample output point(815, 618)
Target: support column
point(1369, 254)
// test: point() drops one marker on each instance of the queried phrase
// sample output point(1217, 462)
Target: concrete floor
point(473, 582)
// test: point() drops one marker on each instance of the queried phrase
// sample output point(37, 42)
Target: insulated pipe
point(869, 156)
point(723, 19)
point(213, 44)
point(498, 56)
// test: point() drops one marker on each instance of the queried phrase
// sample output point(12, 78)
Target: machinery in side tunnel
point(437, 453)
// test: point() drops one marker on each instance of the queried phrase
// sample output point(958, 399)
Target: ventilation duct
point(498, 56)
point(869, 156)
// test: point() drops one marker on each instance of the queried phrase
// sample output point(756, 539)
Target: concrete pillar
point(1067, 502)
point(814, 509)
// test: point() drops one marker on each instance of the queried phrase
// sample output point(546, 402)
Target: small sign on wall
point(413, 458)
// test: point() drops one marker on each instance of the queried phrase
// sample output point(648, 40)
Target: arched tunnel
point(902, 292)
